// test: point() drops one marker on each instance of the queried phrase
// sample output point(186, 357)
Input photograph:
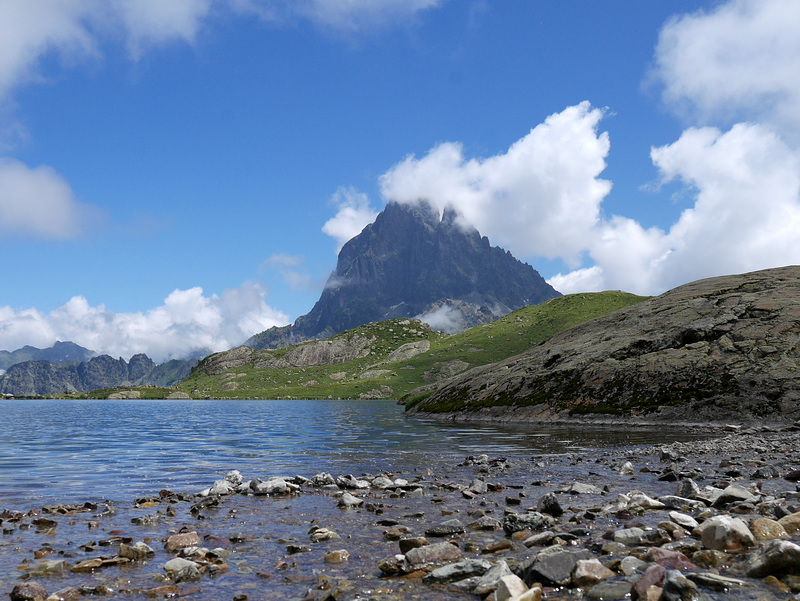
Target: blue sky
point(178, 176)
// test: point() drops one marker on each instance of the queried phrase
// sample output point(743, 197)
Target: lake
point(75, 451)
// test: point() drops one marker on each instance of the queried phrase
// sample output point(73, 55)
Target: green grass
point(481, 345)
point(146, 392)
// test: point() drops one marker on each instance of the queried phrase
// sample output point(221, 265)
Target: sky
point(177, 176)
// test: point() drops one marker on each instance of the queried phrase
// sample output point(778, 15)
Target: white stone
point(508, 587)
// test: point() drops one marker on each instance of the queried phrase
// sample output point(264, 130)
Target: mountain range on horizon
point(60, 352)
point(414, 262)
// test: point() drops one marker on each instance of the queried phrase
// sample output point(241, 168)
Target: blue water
point(69, 451)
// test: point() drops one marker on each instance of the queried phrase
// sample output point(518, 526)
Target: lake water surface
point(74, 451)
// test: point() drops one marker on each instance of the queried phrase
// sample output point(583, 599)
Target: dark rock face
point(411, 262)
point(717, 349)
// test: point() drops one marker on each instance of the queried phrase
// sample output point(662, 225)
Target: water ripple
point(81, 450)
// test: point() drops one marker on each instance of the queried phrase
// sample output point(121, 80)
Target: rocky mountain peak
point(409, 262)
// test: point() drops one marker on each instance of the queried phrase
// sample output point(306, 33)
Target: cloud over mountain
point(543, 197)
point(187, 323)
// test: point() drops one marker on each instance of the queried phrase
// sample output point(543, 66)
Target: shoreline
point(536, 416)
point(288, 537)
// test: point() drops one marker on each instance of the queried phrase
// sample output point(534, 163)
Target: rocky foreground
point(710, 519)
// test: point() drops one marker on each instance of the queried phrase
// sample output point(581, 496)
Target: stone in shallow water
point(724, 533)
point(549, 504)
point(589, 572)
point(509, 587)
point(437, 554)
point(735, 493)
point(631, 565)
point(553, 566)
point(406, 544)
point(137, 552)
point(683, 520)
point(28, 591)
point(653, 576)
point(176, 542)
point(608, 591)
point(347, 500)
point(774, 558)
point(790, 523)
point(715, 581)
point(579, 488)
point(533, 520)
point(630, 537)
point(447, 528)
point(673, 560)
point(178, 564)
point(677, 587)
point(767, 529)
point(466, 568)
point(489, 581)
point(317, 535)
point(338, 556)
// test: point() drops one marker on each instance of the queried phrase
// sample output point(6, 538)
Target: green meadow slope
point(389, 359)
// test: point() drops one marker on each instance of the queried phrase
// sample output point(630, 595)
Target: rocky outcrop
point(308, 354)
point(715, 349)
point(414, 262)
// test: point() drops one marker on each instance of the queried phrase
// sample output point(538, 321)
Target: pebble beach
point(709, 519)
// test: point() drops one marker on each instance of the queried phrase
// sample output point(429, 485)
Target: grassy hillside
point(367, 369)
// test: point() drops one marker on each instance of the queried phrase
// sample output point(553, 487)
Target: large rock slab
point(715, 349)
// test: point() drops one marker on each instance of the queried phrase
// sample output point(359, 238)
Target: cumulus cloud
point(187, 323)
point(745, 216)
point(39, 202)
point(739, 60)
point(354, 213)
point(540, 198)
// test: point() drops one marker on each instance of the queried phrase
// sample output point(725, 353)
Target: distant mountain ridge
point(412, 262)
point(58, 353)
point(43, 378)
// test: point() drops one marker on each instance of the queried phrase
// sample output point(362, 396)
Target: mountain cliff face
point(44, 378)
point(725, 348)
point(409, 263)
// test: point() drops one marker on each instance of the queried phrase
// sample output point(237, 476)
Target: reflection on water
point(60, 451)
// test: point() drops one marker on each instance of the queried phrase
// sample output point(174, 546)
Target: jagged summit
point(413, 262)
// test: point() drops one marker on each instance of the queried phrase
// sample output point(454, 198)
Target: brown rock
point(28, 591)
point(589, 572)
point(176, 542)
point(767, 529)
point(790, 523)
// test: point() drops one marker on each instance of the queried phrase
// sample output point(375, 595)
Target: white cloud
point(187, 322)
point(444, 319)
point(354, 213)
point(75, 29)
point(745, 216)
point(31, 28)
point(540, 198)
point(354, 15)
point(740, 60)
point(39, 202)
point(153, 22)
point(292, 270)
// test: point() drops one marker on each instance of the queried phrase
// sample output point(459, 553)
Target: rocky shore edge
point(682, 521)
